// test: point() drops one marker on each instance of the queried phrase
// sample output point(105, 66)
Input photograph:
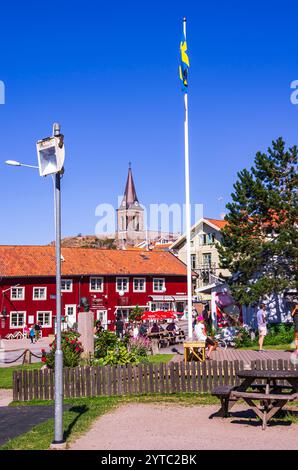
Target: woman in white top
point(201, 334)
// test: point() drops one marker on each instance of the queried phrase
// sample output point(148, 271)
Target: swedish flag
point(184, 64)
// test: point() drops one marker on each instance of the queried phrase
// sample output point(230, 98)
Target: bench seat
point(222, 391)
point(262, 396)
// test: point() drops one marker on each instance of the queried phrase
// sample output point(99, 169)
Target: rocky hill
point(88, 241)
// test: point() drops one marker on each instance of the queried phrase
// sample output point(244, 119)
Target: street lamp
point(50, 155)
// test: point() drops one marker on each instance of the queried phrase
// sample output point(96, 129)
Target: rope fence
point(26, 354)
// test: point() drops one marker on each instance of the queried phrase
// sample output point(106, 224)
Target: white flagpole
point(187, 210)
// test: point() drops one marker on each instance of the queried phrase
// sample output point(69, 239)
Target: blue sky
point(108, 72)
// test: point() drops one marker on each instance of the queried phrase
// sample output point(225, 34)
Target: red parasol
point(159, 315)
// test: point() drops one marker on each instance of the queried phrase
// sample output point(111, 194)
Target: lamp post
point(51, 153)
point(58, 434)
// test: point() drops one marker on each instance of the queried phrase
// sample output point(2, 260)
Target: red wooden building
point(113, 281)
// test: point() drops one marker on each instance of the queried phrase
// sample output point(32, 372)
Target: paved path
point(20, 419)
point(176, 427)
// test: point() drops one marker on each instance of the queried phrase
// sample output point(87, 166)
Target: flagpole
point(187, 209)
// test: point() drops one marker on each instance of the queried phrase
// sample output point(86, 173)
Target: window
point(66, 285)
point(193, 261)
point(158, 284)
point(122, 284)
point(39, 293)
point(96, 284)
point(139, 284)
point(17, 319)
point(45, 318)
point(17, 293)
point(208, 238)
point(207, 259)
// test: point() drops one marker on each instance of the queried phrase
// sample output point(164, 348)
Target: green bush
point(243, 339)
point(135, 314)
point(104, 341)
point(279, 333)
point(139, 346)
point(71, 348)
point(119, 355)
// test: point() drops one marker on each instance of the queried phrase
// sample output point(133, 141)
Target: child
point(201, 334)
point(32, 334)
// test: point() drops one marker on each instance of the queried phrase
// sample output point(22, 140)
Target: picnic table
point(271, 394)
point(166, 338)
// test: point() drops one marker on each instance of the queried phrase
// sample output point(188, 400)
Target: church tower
point(130, 215)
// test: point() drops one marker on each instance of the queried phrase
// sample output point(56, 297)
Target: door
point(71, 314)
point(102, 315)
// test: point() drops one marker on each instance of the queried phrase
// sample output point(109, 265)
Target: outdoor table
point(162, 337)
point(271, 395)
point(194, 350)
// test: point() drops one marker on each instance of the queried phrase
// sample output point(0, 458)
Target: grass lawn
point(158, 358)
point(279, 347)
point(6, 373)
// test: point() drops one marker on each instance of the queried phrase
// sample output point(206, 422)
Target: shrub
point(243, 339)
point(118, 355)
point(104, 341)
point(71, 348)
point(135, 314)
point(279, 333)
point(139, 346)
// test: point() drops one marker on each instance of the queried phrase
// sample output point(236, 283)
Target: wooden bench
point(262, 396)
point(223, 392)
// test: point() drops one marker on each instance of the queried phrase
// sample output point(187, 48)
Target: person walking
point(37, 329)
point(262, 325)
point(294, 314)
point(32, 334)
point(119, 327)
point(201, 334)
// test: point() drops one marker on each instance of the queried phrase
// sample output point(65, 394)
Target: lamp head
point(12, 163)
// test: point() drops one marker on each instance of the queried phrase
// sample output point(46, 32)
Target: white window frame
point(123, 290)
point(163, 284)
point(67, 280)
point(51, 317)
point(96, 290)
point(39, 298)
point(139, 279)
point(10, 318)
point(17, 298)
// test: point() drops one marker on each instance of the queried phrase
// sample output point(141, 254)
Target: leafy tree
point(259, 244)
point(136, 314)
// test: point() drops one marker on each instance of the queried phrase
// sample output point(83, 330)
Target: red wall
point(108, 299)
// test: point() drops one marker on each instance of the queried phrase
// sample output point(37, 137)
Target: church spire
point(130, 195)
